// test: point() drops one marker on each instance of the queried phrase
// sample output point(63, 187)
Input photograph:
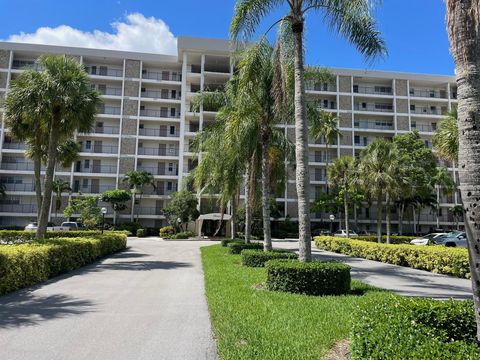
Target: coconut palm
point(457, 212)
point(353, 20)
point(445, 140)
point(59, 187)
point(342, 174)
point(136, 181)
point(57, 101)
point(443, 184)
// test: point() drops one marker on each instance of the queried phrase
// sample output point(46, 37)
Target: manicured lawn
point(252, 323)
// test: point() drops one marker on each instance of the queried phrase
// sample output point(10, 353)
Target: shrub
point(312, 278)
point(21, 236)
point(225, 242)
point(399, 328)
point(180, 236)
point(258, 258)
point(166, 230)
point(437, 259)
point(130, 226)
point(237, 247)
point(141, 233)
point(27, 264)
point(393, 239)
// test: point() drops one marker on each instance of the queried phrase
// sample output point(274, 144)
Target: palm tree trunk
point(326, 168)
point(220, 223)
point(233, 223)
point(49, 173)
point(345, 203)
point(37, 168)
point(248, 210)
point(401, 210)
point(355, 215)
point(379, 218)
point(387, 217)
point(438, 207)
point(139, 202)
point(132, 210)
point(301, 142)
point(267, 233)
point(418, 219)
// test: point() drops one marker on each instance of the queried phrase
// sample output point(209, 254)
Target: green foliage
point(437, 259)
point(166, 230)
point(330, 202)
point(131, 227)
point(310, 278)
point(399, 328)
point(21, 236)
point(89, 213)
point(141, 232)
point(183, 206)
point(445, 140)
point(116, 198)
point(393, 239)
point(28, 264)
point(237, 247)
point(258, 258)
point(183, 235)
point(225, 242)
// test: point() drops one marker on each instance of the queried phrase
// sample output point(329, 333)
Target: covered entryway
point(207, 224)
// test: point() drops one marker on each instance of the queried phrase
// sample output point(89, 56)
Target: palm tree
point(443, 183)
point(353, 20)
point(59, 187)
point(445, 140)
point(56, 101)
point(342, 174)
point(136, 180)
point(457, 212)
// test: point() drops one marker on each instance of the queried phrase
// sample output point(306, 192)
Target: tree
point(342, 174)
point(464, 35)
point(183, 207)
point(443, 183)
point(56, 101)
point(353, 20)
point(445, 140)
point(136, 181)
point(59, 187)
point(457, 212)
point(117, 199)
point(90, 214)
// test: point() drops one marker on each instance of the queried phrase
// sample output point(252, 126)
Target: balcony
point(189, 167)
point(320, 158)
point(148, 210)
point(424, 127)
point(217, 68)
point(160, 113)
point(214, 87)
point(437, 94)
point(375, 125)
point(425, 110)
point(21, 166)
point(26, 64)
point(152, 151)
point(158, 171)
point(110, 130)
point(19, 208)
point(385, 108)
point(317, 177)
point(111, 91)
point(14, 145)
point(99, 169)
point(159, 94)
point(156, 132)
point(93, 189)
point(104, 71)
point(161, 75)
point(372, 90)
point(109, 110)
point(321, 87)
point(19, 187)
point(192, 128)
point(100, 149)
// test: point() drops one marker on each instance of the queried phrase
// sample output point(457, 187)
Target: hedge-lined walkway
point(402, 280)
point(144, 303)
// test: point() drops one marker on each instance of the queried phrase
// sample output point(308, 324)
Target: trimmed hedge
point(141, 232)
point(22, 265)
point(237, 247)
point(311, 278)
point(225, 242)
point(21, 236)
point(258, 258)
point(400, 328)
point(179, 236)
point(437, 259)
point(393, 239)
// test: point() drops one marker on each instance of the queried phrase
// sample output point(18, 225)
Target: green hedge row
point(400, 328)
point(21, 236)
point(237, 247)
point(22, 265)
point(311, 278)
point(179, 236)
point(437, 259)
point(393, 239)
point(258, 258)
point(225, 242)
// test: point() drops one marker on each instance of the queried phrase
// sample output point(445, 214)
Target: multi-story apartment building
point(146, 123)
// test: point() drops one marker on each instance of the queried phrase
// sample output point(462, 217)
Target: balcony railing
point(379, 125)
point(321, 87)
point(19, 208)
point(99, 169)
point(159, 113)
point(189, 167)
point(93, 189)
point(105, 130)
point(100, 149)
point(374, 108)
point(158, 94)
point(192, 128)
point(158, 171)
point(157, 151)
point(109, 110)
point(19, 187)
point(161, 75)
point(25, 166)
point(156, 132)
point(426, 111)
point(320, 158)
point(424, 127)
point(110, 91)
point(317, 177)
point(439, 94)
point(217, 68)
point(14, 145)
point(104, 71)
point(148, 210)
point(373, 90)
point(26, 64)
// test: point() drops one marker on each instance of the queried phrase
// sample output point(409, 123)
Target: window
point(355, 88)
point(140, 145)
point(172, 130)
point(173, 112)
point(412, 107)
point(367, 213)
point(357, 139)
point(141, 126)
point(93, 70)
point(86, 164)
point(174, 94)
point(325, 104)
point(85, 183)
point(170, 167)
point(88, 145)
point(412, 91)
point(99, 124)
point(142, 107)
point(169, 186)
point(143, 90)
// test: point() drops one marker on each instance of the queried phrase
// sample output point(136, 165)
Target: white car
point(425, 240)
point(343, 233)
point(66, 226)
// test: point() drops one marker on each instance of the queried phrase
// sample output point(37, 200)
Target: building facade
point(146, 123)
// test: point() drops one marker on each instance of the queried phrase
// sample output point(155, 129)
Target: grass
point(252, 323)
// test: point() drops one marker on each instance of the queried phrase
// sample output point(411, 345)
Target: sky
point(414, 30)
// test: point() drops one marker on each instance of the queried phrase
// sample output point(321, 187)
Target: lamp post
point(104, 212)
point(332, 217)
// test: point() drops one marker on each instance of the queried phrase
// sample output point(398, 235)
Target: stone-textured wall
point(345, 120)
point(4, 59)
point(3, 80)
point(402, 123)
point(346, 138)
point(345, 84)
point(132, 69)
point(127, 164)
point(131, 88)
point(129, 126)
point(345, 102)
point(291, 191)
point(401, 87)
point(402, 106)
point(128, 146)
point(292, 209)
point(130, 107)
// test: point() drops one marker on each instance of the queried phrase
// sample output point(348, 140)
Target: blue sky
point(413, 29)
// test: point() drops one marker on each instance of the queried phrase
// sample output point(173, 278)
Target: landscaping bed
point(437, 259)
point(394, 239)
point(258, 258)
point(27, 264)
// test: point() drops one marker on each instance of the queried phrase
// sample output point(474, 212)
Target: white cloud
point(135, 33)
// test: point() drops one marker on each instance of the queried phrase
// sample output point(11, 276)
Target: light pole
point(104, 212)
point(332, 217)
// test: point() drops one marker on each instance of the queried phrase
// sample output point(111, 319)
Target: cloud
point(135, 33)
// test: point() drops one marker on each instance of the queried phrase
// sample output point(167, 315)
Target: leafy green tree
point(351, 19)
point(117, 199)
point(59, 187)
point(56, 102)
point(457, 212)
point(445, 140)
point(87, 208)
point(183, 207)
point(136, 181)
point(444, 184)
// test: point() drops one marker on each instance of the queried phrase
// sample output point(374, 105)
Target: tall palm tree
point(354, 21)
point(136, 181)
point(462, 25)
point(342, 174)
point(59, 187)
point(457, 212)
point(445, 140)
point(61, 99)
point(443, 184)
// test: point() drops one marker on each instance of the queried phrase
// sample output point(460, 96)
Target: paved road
point(402, 280)
point(144, 303)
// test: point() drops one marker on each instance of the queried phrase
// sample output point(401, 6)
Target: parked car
point(453, 239)
point(427, 239)
point(72, 225)
point(318, 232)
point(343, 233)
point(65, 226)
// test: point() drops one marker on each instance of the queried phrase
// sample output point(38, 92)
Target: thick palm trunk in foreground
point(463, 19)
point(301, 142)
point(267, 234)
